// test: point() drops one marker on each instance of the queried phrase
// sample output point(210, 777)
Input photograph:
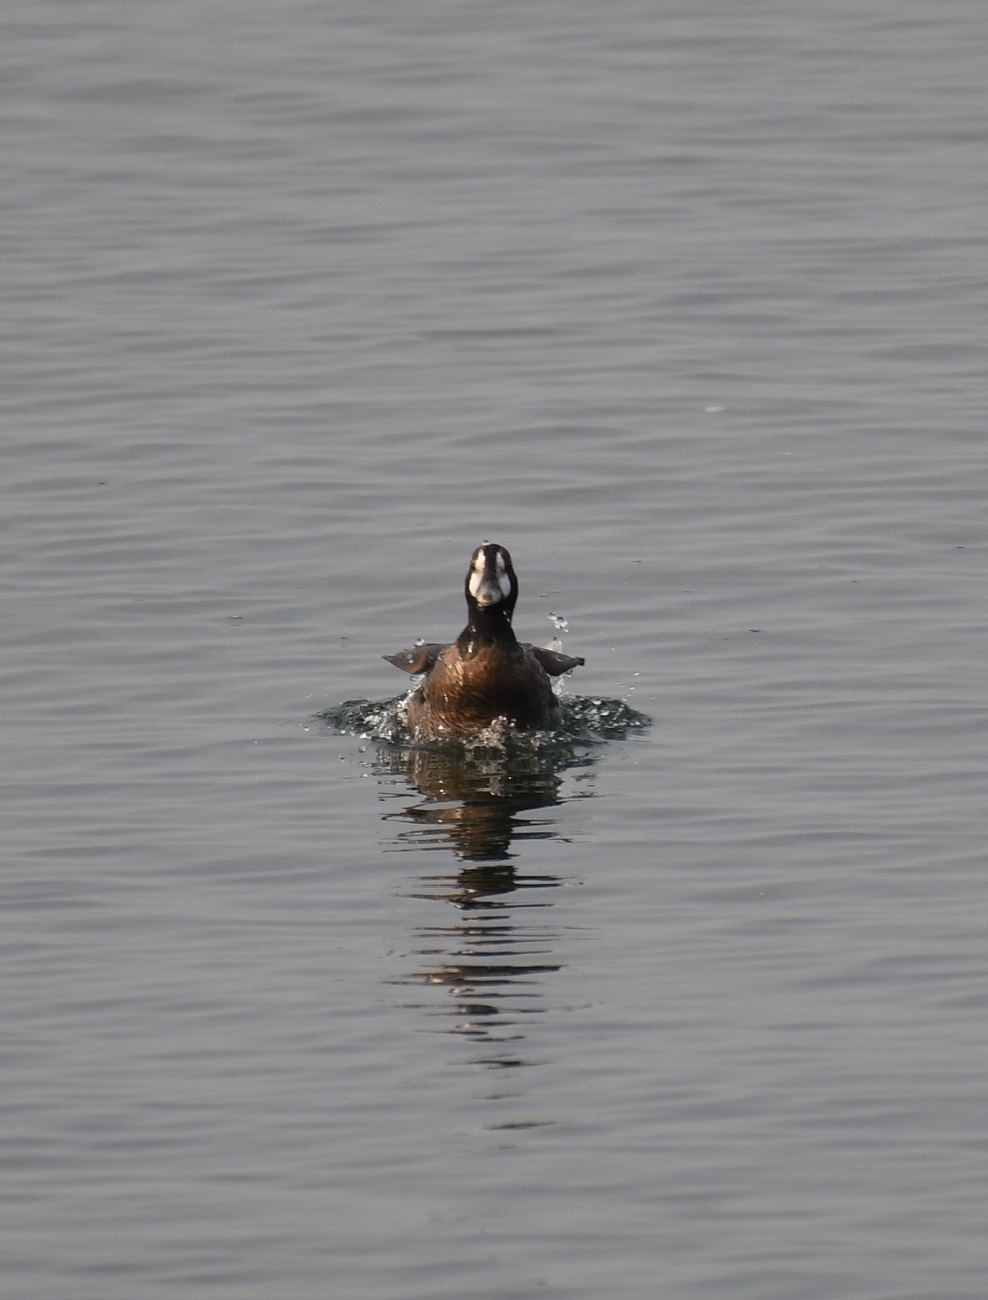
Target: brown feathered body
point(486, 674)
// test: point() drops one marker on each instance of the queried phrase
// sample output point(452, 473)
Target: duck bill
point(488, 592)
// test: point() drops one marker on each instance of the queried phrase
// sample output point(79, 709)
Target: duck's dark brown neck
point(487, 627)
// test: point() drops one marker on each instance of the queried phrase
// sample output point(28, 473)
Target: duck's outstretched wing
point(553, 662)
point(419, 659)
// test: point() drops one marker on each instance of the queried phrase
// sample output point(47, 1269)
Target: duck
point(486, 673)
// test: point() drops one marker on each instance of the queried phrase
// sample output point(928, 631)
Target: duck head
point(491, 586)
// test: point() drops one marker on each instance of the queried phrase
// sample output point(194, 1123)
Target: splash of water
point(585, 719)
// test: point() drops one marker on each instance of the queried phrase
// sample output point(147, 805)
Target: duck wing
point(553, 662)
point(419, 659)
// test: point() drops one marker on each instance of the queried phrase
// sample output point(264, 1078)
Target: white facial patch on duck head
point(489, 584)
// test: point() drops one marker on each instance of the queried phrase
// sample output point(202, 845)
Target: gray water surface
point(685, 305)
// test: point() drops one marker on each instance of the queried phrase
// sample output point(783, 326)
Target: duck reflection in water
point(475, 797)
point(495, 956)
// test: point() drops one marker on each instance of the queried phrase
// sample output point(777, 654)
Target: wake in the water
point(584, 720)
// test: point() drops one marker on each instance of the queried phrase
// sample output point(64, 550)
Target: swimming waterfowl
point(486, 673)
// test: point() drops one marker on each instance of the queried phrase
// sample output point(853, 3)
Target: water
point(686, 306)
